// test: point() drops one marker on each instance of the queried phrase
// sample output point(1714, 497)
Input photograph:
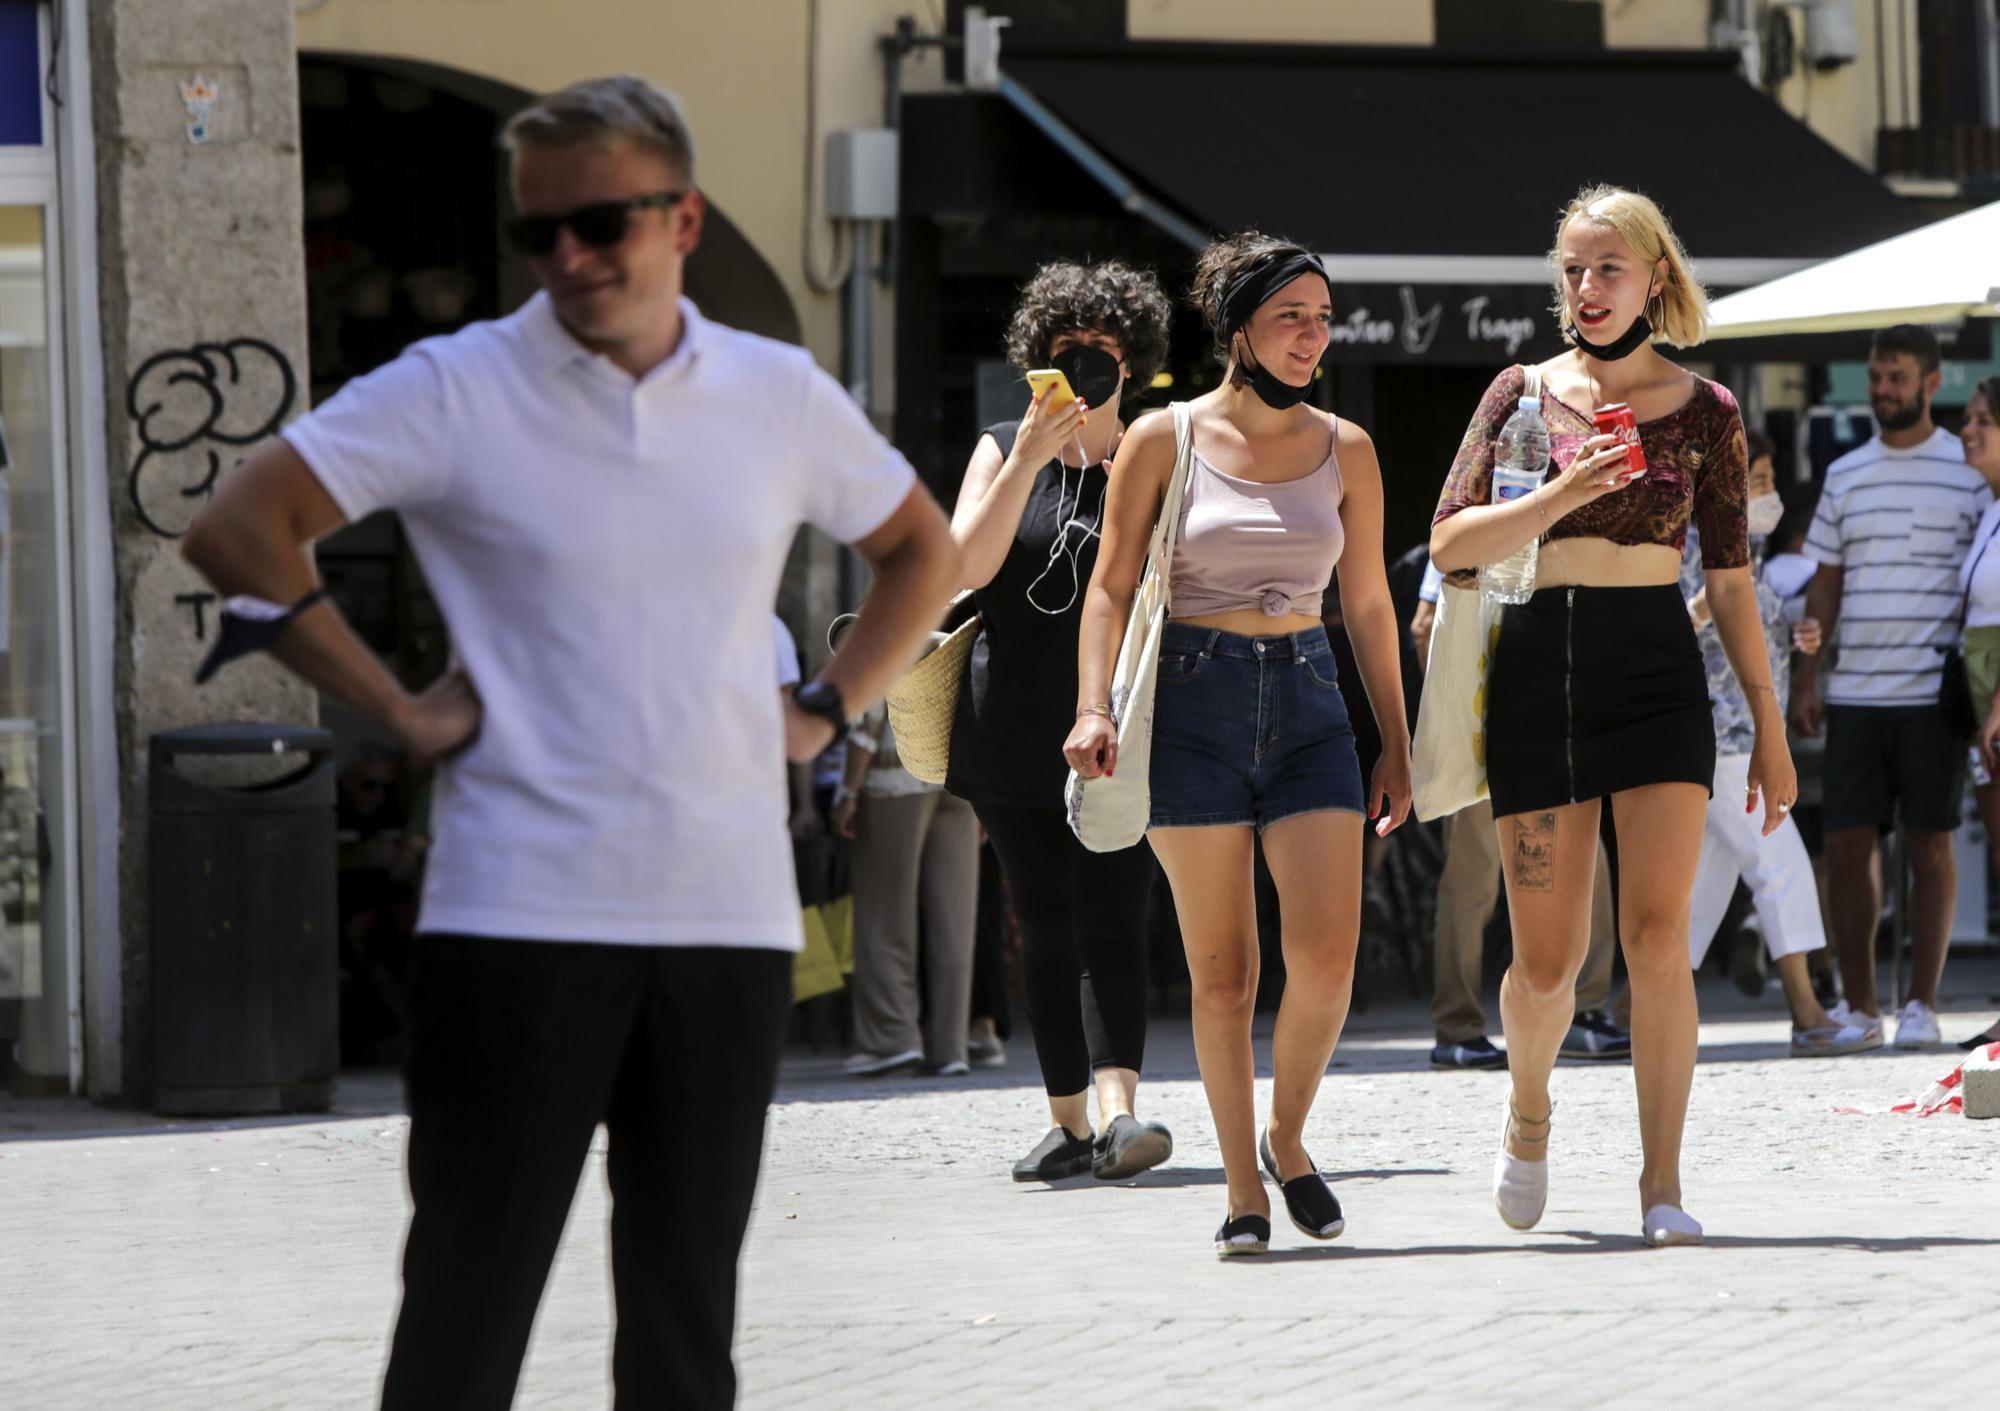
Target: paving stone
point(892, 1263)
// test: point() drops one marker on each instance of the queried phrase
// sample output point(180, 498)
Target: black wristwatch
point(822, 698)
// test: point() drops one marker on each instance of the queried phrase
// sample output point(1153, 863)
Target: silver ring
point(1784, 808)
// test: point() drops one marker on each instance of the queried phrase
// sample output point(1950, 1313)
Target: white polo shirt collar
point(553, 348)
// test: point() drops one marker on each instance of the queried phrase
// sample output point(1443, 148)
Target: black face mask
point(1094, 375)
point(1639, 332)
point(1276, 393)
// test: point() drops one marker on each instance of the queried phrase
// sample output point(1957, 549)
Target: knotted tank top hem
point(1267, 546)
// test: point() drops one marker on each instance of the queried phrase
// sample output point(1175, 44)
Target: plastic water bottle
point(1520, 461)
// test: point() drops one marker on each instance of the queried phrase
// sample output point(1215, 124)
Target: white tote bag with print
point(1111, 812)
point(1448, 755)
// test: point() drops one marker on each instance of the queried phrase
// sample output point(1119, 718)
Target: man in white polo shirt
point(602, 490)
point(1894, 522)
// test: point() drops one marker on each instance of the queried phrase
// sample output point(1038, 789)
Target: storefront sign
point(1442, 323)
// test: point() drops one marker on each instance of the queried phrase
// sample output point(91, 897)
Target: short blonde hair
point(601, 109)
point(1679, 314)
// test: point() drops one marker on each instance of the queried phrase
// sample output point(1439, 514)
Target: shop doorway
point(1420, 417)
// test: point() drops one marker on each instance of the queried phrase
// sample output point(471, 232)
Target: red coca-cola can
point(1617, 420)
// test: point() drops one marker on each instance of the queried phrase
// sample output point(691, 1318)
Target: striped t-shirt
point(1898, 523)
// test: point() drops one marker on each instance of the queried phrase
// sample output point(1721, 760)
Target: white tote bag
point(1448, 755)
point(1111, 812)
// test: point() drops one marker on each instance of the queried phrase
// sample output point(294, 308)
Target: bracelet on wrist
point(1093, 709)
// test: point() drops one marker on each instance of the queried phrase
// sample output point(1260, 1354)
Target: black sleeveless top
point(1017, 701)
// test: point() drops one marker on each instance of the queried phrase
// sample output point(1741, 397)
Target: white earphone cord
point(1060, 549)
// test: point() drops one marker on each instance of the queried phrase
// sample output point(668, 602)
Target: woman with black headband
point(1597, 688)
point(1027, 527)
point(1249, 731)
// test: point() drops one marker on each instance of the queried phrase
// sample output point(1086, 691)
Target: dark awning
point(1411, 165)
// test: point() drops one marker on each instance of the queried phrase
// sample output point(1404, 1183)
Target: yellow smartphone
point(1050, 380)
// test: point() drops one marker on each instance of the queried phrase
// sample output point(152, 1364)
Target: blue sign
point(20, 75)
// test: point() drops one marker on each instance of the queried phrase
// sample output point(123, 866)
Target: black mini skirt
point(1593, 691)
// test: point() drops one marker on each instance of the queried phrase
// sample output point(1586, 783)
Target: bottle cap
point(1531, 404)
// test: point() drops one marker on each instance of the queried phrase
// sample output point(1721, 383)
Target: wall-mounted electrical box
point(861, 173)
point(1831, 38)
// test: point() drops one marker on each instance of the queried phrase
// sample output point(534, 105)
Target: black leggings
point(1083, 943)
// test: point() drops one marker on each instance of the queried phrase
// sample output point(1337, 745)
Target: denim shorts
point(1249, 730)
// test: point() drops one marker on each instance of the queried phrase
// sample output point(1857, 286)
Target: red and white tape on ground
point(1972, 1088)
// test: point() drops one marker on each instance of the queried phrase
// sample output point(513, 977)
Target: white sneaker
point(869, 1065)
point(1917, 1026)
point(1869, 1024)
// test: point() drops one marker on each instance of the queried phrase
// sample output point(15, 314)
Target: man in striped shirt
point(1895, 520)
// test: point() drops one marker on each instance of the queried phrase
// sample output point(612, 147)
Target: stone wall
point(195, 106)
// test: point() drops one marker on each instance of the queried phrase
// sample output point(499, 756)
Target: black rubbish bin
point(244, 951)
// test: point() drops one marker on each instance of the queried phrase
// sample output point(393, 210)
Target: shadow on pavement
point(1172, 1176)
point(1159, 1178)
point(359, 1094)
point(1596, 1242)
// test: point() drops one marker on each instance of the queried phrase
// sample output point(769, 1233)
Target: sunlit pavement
point(892, 1263)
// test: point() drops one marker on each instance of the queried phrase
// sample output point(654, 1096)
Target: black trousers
point(518, 1050)
point(1083, 943)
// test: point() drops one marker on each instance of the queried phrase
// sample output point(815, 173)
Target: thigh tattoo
point(1534, 859)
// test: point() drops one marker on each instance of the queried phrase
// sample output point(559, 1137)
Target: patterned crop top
point(1697, 467)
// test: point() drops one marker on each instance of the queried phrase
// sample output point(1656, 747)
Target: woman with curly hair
point(1027, 526)
point(1597, 689)
point(1249, 727)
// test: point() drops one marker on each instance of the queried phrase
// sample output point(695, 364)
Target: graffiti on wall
point(200, 96)
point(188, 407)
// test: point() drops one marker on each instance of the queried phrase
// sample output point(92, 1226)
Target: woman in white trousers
point(1776, 867)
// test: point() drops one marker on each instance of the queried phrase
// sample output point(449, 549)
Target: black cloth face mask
point(1639, 332)
point(1094, 375)
point(1276, 393)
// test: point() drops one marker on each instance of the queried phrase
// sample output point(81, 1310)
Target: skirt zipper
point(1569, 702)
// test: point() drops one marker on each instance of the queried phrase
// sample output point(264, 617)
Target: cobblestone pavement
point(892, 1264)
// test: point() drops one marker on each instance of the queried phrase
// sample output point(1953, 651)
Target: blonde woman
point(1597, 689)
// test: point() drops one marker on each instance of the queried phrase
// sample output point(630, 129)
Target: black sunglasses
point(599, 224)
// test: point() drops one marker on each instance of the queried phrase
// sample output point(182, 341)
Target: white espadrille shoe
point(1669, 1224)
point(1520, 1188)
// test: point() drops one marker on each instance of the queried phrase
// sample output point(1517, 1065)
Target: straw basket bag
point(924, 700)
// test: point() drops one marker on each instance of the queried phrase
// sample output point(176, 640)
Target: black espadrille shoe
point(1246, 1234)
point(1309, 1200)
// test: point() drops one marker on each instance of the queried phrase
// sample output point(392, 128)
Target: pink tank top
point(1250, 544)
